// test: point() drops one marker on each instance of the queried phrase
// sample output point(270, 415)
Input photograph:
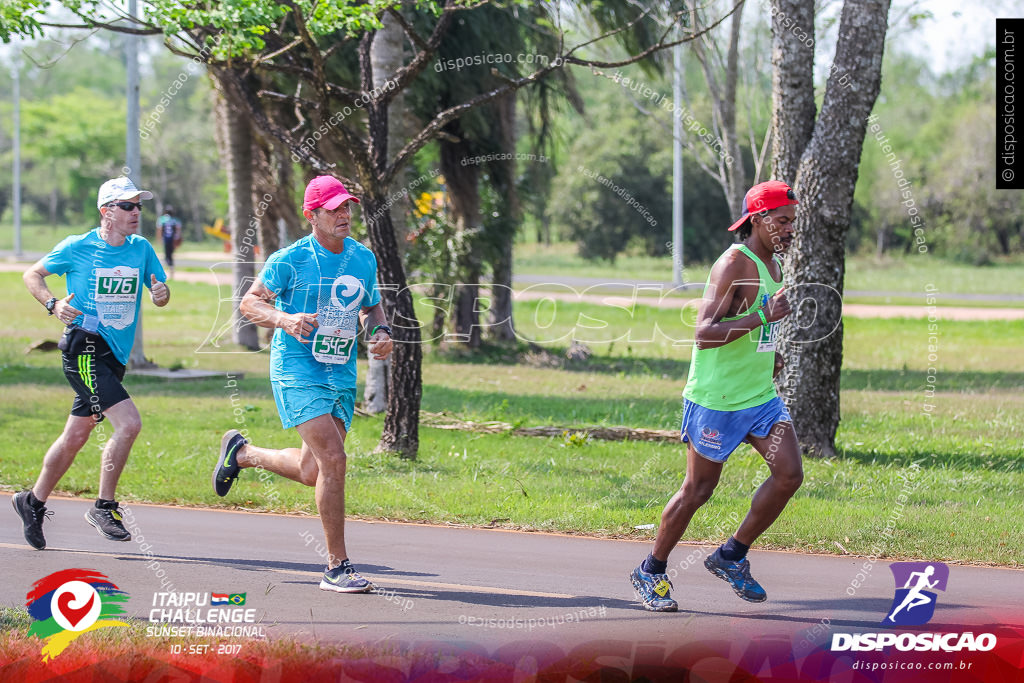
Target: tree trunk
point(793, 108)
point(812, 336)
point(386, 59)
point(502, 229)
point(236, 134)
point(401, 425)
point(463, 184)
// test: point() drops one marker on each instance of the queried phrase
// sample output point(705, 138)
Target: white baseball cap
point(117, 189)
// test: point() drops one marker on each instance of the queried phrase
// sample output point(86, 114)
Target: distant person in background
point(170, 230)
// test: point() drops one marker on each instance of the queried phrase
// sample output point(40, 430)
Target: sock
point(106, 504)
point(33, 501)
point(732, 550)
point(654, 566)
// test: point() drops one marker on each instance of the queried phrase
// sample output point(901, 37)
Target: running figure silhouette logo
point(914, 602)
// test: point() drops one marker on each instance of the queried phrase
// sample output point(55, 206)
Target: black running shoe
point(226, 470)
point(107, 521)
point(32, 517)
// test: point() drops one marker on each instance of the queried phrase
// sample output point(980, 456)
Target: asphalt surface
point(476, 586)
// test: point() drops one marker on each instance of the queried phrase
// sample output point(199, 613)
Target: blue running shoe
point(737, 575)
point(345, 579)
point(653, 591)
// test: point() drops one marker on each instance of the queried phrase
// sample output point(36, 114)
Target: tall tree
point(819, 157)
point(299, 43)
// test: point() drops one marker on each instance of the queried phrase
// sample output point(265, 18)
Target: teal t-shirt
point(307, 278)
point(106, 283)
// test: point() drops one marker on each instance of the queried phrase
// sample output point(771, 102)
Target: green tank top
point(738, 375)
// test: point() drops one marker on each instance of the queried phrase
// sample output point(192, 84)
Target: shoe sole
point(649, 608)
point(326, 586)
point(103, 533)
point(715, 571)
point(14, 504)
point(224, 441)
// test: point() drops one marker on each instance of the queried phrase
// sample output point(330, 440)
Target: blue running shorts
point(715, 434)
point(299, 402)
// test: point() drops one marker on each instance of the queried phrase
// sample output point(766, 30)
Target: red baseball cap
point(765, 197)
point(327, 192)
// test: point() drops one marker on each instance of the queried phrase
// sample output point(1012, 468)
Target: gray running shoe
point(107, 521)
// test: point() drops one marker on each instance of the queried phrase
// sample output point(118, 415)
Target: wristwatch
point(381, 327)
point(50, 304)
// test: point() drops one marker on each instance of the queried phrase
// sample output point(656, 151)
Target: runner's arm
point(258, 306)
point(35, 280)
point(712, 331)
point(380, 343)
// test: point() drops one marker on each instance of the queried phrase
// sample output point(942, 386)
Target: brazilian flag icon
point(237, 598)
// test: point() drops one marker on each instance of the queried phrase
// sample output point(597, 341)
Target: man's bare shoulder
point(731, 266)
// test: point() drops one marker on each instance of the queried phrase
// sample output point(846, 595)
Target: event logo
point(914, 602)
point(68, 603)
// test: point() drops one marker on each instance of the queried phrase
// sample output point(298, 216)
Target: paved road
point(446, 583)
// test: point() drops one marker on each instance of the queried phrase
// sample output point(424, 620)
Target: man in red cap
point(315, 292)
point(730, 397)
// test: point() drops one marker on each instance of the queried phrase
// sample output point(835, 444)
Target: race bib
point(117, 290)
point(766, 342)
point(333, 344)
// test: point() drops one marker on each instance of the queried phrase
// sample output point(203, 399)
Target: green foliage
point(615, 189)
point(927, 176)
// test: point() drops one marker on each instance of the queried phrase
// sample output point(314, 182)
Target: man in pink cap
point(730, 398)
point(315, 293)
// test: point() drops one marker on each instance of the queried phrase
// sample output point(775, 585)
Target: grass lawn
point(967, 446)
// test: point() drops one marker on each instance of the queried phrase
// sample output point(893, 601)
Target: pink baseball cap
point(765, 197)
point(327, 192)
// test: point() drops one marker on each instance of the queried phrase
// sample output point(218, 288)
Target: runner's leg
point(781, 452)
point(701, 479)
point(62, 453)
point(325, 436)
point(127, 423)
point(297, 464)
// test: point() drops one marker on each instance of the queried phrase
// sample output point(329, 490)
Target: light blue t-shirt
point(105, 281)
point(307, 278)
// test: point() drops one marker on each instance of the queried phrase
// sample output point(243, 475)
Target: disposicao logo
point(913, 605)
point(68, 603)
point(914, 602)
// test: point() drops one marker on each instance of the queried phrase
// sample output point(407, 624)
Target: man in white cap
point(104, 269)
point(315, 292)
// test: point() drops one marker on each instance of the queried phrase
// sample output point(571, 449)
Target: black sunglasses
point(127, 206)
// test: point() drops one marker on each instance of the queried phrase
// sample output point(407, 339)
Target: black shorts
point(92, 371)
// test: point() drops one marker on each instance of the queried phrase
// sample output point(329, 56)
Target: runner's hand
point(777, 307)
point(299, 325)
point(64, 311)
point(158, 291)
point(780, 363)
point(380, 345)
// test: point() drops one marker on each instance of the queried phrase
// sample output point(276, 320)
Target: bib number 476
point(117, 285)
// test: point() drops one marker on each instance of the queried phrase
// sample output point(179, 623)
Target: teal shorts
point(299, 402)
